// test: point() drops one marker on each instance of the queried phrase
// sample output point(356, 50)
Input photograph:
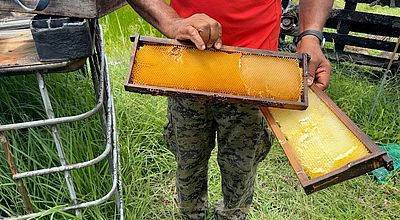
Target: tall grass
point(148, 167)
point(35, 149)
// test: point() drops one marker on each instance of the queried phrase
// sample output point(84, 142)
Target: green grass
point(148, 167)
point(35, 149)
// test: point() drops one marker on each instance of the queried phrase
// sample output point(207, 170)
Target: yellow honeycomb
point(321, 142)
point(233, 73)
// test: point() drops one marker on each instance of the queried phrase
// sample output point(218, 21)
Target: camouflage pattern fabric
point(243, 141)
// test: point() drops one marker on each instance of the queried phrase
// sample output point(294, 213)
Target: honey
point(320, 141)
point(232, 73)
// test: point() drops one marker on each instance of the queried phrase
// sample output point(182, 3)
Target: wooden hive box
point(71, 8)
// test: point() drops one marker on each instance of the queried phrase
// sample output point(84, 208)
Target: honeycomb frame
point(375, 159)
point(140, 41)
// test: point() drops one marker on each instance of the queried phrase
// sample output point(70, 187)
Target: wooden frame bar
point(377, 157)
point(154, 90)
point(361, 42)
point(363, 22)
point(391, 3)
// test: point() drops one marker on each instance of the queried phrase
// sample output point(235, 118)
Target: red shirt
point(245, 23)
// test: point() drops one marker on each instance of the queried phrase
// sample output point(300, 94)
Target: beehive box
point(18, 53)
point(322, 144)
point(70, 8)
point(61, 38)
point(172, 68)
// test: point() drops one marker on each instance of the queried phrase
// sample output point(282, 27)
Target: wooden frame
point(154, 90)
point(377, 157)
point(391, 3)
point(71, 8)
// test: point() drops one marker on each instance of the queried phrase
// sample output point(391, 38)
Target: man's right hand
point(201, 29)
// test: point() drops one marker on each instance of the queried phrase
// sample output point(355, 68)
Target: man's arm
point(313, 15)
point(201, 29)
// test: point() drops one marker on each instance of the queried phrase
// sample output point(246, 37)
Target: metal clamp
point(40, 5)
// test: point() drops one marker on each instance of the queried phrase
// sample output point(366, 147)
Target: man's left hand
point(319, 68)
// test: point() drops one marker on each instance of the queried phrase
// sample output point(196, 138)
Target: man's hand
point(313, 15)
point(201, 29)
point(319, 68)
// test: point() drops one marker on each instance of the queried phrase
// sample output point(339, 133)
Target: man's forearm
point(157, 13)
point(313, 14)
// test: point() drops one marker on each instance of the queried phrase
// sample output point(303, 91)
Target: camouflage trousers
point(242, 139)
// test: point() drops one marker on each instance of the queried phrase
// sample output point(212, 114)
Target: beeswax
point(218, 72)
point(321, 142)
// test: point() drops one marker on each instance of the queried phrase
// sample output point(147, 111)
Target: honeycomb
point(233, 73)
point(320, 141)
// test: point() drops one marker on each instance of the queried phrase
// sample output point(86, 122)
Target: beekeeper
point(240, 130)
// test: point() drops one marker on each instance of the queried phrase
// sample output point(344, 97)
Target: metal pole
point(57, 140)
point(115, 166)
point(119, 192)
point(114, 159)
point(371, 112)
point(93, 62)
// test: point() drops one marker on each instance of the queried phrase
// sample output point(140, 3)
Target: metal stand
point(384, 79)
point(104, 108)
